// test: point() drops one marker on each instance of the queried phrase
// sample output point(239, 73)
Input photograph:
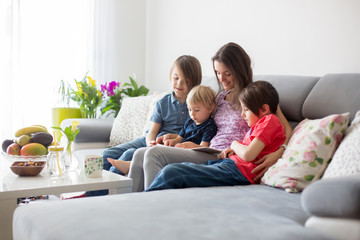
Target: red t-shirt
point(271, 132)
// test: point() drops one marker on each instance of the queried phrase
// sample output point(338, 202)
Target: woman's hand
point(266, 162)
point(226, 153)
point(187, 145)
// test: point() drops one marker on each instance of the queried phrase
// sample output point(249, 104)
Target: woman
point(233, 71)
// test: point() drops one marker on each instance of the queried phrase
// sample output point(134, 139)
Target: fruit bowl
point(14, 158)
point(27, 168)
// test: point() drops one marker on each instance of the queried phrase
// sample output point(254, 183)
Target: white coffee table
point(13, 187)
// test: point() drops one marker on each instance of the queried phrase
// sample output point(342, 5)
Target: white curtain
point(45, 41)
point(41, 43)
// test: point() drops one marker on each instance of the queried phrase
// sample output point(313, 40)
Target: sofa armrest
point(337, 197)
point(94, 133)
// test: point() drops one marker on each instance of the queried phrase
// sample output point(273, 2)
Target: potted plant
point(64, 111)
point(113, 95)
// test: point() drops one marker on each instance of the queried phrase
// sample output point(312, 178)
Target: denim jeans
point(221, 172)
point(125, 152)
point(122, 151)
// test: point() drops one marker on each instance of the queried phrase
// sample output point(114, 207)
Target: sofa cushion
point(241, 212)
point(346, 160)
point(310, 148)
point(319, 199)
point(333, 93)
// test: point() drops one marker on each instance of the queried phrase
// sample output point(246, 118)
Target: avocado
point(6, 143)
point(42, 138)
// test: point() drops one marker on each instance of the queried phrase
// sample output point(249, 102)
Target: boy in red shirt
point(259, 102)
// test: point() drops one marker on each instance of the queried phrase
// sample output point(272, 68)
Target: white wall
point(305, 37)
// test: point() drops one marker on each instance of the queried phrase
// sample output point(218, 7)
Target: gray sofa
point(238, 212)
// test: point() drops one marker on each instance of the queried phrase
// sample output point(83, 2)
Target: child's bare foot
point(123, 166)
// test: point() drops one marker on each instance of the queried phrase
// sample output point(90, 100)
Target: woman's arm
point(153, 132)
point(192, 145)
point(270, 159)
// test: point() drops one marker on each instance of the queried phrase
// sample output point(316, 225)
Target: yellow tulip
point(78, 85)
point(92, 82)
point(99, 93)
point(74, 125)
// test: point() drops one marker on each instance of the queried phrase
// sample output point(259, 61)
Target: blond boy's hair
point(201, 94)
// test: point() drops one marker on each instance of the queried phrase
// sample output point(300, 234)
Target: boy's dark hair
point(190, 68)
point(259, 93)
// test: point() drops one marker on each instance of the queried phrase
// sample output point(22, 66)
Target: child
point(259, 102)
point(197, 131)
point(169, 115)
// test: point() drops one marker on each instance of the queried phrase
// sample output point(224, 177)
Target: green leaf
point(312, 164)
point(309, 177)
point(331, 125)
point(319, 160)
point(327, 140)
point(57, 128)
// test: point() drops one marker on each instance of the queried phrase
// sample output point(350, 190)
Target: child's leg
point(117, 151)
point(183, 175)
point(123, 166)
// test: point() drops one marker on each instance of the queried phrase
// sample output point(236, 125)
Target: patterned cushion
point(129, 123)
point(346, 160)
point(310, 148)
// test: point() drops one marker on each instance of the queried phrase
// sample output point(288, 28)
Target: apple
point(13, 149)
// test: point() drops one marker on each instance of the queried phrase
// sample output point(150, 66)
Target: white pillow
point(310, 148)
point(130, 121)
point(346, 160)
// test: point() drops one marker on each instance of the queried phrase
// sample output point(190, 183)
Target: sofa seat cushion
point(241, 212)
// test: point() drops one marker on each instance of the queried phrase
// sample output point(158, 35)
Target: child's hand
point(169, 142)
point(226, 153)
point(160, 140)
point(152, 143)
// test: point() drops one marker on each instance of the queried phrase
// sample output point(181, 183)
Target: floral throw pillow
point(346, 160)
point(309, 151)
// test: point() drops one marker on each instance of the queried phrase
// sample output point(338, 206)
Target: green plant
point(87, 96)
point(115, 92)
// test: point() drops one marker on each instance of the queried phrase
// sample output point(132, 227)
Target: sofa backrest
point(312, 96)
point(333, 93)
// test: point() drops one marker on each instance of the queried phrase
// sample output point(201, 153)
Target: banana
point(41, 126)
point(29, 130)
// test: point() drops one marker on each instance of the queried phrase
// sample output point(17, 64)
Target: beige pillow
point(310, 148)
point(129, 123)
point(346, 160)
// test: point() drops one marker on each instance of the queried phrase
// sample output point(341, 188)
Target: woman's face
point(224, 75)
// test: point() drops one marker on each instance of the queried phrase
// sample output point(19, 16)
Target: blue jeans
point(125, 152)
point(221, 172)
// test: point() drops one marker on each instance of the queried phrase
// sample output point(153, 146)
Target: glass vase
point(71, 162)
